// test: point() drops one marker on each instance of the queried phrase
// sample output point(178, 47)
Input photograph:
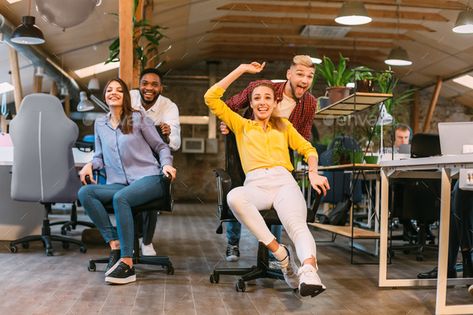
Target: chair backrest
point(43, 163)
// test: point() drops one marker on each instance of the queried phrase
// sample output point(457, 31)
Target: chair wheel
point(65, 245)
point(240, 286)
point(83, 249)
point(419, 258)
point(214, 278)
point(170, 270)
point(91, 266)
point(63, 231)
point(25, 245)
point(49, 252)
point(13, 249)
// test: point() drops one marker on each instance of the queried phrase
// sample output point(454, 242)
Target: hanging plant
point(146, 39)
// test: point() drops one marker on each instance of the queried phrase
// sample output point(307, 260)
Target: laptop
point(456, 137)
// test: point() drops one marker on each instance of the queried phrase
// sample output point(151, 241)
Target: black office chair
point(161, 204)
point(417, 199)
point(227, 179)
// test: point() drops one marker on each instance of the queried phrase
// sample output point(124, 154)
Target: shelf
point(351, 104)
point(346, 231)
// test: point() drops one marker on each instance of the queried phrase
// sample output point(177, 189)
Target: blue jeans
point(124, 197)
point(234, 233)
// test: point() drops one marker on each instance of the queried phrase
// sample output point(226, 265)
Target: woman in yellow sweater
point(263, 144)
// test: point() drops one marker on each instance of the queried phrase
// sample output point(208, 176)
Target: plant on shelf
point(364, 79)
point(146, 39)
point(387, 83)
point(336, 77)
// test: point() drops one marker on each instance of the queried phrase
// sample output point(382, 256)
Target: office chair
point(417, 199)
point(43, 165)
point(233, 176)
point(161, 204)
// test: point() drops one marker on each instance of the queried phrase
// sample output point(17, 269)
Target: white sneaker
point(470, 289)
point(309, 281)
point(289, 268)
point(147, 250)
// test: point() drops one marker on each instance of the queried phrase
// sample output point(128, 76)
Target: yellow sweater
point(259, 148)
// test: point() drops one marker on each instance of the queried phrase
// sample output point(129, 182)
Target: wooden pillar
point(144, 11)
point(125, 32)
point(67, 105)
point(415, 113)
point(433, 104)
point(15, 77)
point(54, 90)
point(212, 66)
point(37, 83)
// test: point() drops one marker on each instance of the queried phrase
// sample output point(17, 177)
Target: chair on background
point(233, 176)
point(43, 164)
point(417, 199)
point(160, 204)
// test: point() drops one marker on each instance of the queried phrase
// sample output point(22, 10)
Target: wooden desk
point(447, 166)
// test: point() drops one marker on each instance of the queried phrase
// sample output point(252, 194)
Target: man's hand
point(319, 183)
point(87, 171)
point(169, 171)
point(254, 67)
point(224, 129)
point(165, 131)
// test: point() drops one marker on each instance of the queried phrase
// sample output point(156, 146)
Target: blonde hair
point(303, 60)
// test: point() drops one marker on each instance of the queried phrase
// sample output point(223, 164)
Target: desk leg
point(383, 246)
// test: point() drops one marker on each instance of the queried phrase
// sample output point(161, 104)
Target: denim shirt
point(129, 157)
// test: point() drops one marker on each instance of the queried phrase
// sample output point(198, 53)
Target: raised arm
point(214, 94)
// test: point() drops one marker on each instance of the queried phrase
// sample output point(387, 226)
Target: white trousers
point(273, 187)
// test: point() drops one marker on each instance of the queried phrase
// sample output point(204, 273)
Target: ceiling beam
point(264, 20)
point(433, 4)
point(295, 31)
point(299, 41)
point(332, 11)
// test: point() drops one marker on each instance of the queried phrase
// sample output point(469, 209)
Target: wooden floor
point(32, 283)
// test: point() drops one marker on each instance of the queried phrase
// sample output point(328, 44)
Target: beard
point(150, 102)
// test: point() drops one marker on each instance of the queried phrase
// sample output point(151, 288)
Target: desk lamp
point(384, 119)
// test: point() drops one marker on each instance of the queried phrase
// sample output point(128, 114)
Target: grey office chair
point(43, 165)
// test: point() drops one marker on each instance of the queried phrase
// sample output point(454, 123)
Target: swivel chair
point(161, 204)
point(233, 176)
point(43, 165)
point(417, 199)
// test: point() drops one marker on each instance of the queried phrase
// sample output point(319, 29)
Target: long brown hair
point(126, 117)
point(277, 122)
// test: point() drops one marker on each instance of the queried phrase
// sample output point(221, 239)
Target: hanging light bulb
point(94, 84)
point(27, 33)
point(398, 57)
point(353, 13)
point(464, 23)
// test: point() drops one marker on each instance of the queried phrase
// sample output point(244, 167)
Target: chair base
point(71, 224)
point(46, 237)
point(162, 261)
point(261, 270)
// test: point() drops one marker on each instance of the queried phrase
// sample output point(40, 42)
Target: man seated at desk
point(461, 235)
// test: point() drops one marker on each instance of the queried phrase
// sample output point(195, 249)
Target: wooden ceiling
point(200, 30)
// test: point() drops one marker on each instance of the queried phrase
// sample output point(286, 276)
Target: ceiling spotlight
point(398, 57)
point(464, 23)
point(353, 13)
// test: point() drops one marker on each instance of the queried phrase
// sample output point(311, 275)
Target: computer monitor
point(456, 137)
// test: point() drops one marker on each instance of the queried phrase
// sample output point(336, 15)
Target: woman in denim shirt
point(125, 140)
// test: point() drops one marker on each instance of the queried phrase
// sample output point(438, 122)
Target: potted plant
point(364, 79)
point(337, 77)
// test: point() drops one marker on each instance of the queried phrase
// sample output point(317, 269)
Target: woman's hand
point(319, 183)
point(87, 171)
point(253, 67)
point(169, 171)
